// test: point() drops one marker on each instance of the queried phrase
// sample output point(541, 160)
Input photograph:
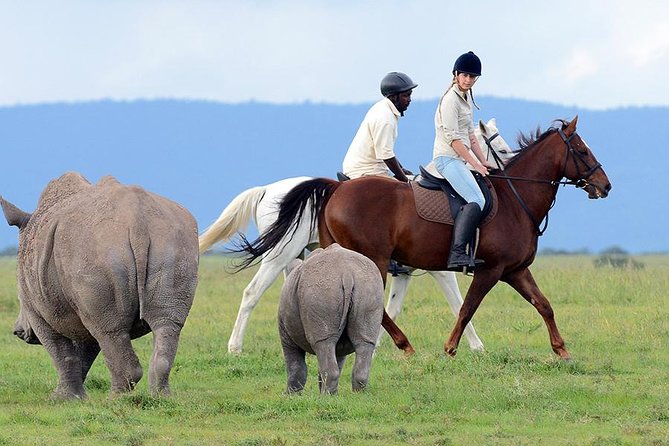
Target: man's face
point(403, 100)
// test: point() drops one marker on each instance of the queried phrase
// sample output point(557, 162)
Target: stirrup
point(467, 268)
point(471, 268)
point(395, 268)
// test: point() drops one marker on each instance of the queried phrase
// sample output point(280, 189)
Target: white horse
point(262, 203)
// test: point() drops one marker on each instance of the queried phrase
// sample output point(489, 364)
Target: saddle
point(437, 201)
point(341, 177)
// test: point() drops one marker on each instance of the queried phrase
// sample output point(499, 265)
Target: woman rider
point(455, 145)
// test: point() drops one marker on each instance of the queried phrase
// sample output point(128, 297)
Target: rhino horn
point(15, 216)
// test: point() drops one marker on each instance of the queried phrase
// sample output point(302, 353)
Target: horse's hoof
point(409, 351)
point(450, 351)
point(563, 354)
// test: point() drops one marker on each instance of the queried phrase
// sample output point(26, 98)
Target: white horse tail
point(234, 218)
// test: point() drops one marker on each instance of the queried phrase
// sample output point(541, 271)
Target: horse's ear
point(492, 123)
point(571, 128)
point(481, 125)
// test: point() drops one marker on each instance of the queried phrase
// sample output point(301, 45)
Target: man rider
point(372, 150)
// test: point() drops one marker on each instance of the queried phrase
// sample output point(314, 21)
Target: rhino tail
point(348, 287)
point(44, 260)
point(140, 252)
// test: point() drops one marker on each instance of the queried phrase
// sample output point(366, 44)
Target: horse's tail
point(314, 193)
point(234, 218)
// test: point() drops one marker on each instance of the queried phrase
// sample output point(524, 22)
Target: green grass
point(614, 392)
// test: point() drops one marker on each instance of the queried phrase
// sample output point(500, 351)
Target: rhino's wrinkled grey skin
point(331, 305)
point(97, 266)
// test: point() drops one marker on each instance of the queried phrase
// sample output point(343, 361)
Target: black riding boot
point(463, 233)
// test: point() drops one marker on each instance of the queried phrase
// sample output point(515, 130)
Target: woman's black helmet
point(468, 63)
point(396, 82)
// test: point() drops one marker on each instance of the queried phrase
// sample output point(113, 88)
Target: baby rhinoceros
point(331, 305)
point(97, 266)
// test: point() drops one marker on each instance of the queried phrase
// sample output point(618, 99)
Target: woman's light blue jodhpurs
point(457, 173)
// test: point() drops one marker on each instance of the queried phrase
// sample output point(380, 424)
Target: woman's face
point(466, 81)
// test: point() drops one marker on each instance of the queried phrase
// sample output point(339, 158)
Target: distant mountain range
point(202, 154)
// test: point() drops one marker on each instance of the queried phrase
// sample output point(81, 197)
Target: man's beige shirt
point(374, 142)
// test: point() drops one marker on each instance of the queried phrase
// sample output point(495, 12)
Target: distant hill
point(202, 154)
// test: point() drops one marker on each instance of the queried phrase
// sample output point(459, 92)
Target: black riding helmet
point(396, 82)
point(468, 63)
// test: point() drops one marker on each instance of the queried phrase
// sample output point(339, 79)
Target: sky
point(591, 54)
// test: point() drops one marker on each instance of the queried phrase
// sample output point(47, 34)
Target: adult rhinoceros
point(97, 266)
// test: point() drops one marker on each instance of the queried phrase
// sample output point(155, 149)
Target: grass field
point(614, 392)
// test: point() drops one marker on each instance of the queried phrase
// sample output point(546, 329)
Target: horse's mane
point(526, 141)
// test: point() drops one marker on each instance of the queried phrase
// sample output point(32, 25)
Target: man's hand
point(397, 169)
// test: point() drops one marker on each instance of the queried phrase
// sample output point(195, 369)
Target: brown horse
point(377, 217)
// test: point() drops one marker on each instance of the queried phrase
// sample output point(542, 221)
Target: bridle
point(581, 183)
point(491, 150)
point(576, 157)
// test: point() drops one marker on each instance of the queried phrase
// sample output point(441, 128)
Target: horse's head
point(580, 164)
point(492, 142)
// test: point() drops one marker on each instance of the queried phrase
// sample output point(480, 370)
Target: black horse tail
point(314, 193)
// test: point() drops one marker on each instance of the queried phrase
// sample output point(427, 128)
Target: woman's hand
point(489, 165)
point(480, 168)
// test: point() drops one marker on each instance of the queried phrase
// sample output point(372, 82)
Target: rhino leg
point(328, 366)
point(165, 342)
point(67, 359)
point(361, 329)
point(364, 351)
point(296, 367)
point(340, 362)
point(121, 361)
point(88, 351)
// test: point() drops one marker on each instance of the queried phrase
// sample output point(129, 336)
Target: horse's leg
point(267, 273)
point(398, 291)
point(398, 337)
point(483, 281)
point(449, 285)
point(523, 282)
point(271, 266)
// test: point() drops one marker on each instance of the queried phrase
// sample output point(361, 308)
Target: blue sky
point(593, 54)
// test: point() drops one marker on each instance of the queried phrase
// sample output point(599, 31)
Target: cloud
point(317, 50)
point(649, 48)
point(580, 64)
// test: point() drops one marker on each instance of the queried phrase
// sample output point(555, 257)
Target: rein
point(500, 165)
point(581, 183)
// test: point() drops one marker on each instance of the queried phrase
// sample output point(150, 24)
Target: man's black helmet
point(396, 82)
point(468, 63)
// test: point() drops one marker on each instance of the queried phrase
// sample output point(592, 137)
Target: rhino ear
point(15, 216)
